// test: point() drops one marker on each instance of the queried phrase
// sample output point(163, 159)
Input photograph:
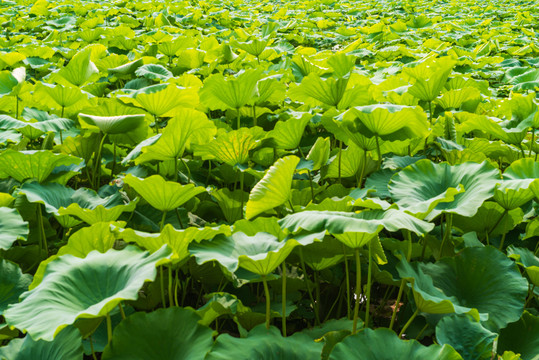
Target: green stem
point(357, 290)
point(317, 291)
point(92, 347)
point(42, 235)
point(163, 218)
point(188, 171)
point(175, 178)
point(311, 184)
point(531, 143)
point(369, 284)
point(268, 305)
point(97, 169)
point(122, 313)
point(447, 232)
point(113, 161)
point(363, 167)
point(340, 160)
point(176, 286)
point(254, 115)
point(502, 241)
point(347, 275)
point(109, 329)
point(241, 193)
point(378, 151)
point(302, 263)
point(238, 120)
point(283, 298)
point(430, 112)
point(162, 283)
point(179, 218)
point(530, 296)
point(170, 297)
point(17, 107)
point(408, 322)
point(422, 331)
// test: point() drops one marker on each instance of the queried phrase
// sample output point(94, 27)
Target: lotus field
point(286, 180)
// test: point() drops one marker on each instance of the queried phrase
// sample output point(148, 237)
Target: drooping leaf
point(90, 288)
point(12, 227)
point(161, 194)
point(274, 188)
point(12, 284)
point(521, 337)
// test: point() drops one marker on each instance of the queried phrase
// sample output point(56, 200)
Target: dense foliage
point(282, 180)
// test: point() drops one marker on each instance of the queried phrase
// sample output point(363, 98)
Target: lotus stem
point(283, 298)
point(188, 171)
point(163, 218)
point(311, 184)
point(42, 235)
point(347, 276)
point(302, 262)
point(447, 232)
point(109, 329)
point(430, 112)
point(317, 291)
point(238, 120)
point(422, 331)
point(502, 241)
point(378, 151)
point(176, 288)
point(254, 116)
point(97, 173)
point(92, 347)
point(369, 284)
point(409, 322)
point(122, 313)
point(170, 298)
point(16, 107)
point(531, 143)
point(363, 167)
point(241, 193)
point(522, 151)
point(162, 283)
point(175, 177)
point(357, 290)
point(268, 304)
point(113, 161)
point(397, 302)
point(340, 160)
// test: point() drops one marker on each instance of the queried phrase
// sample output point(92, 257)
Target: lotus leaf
point(91, 287)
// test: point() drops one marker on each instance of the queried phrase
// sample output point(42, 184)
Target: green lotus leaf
point(354, 229)
point(526, 173)
point(430, 78)
point(254, 47)
point(326, 91)
point(161, 194)
point(321, 255)
point(177, 240)
point(528, 260)
point(188, 126)
point(521, 337)
point(274, 189)
point(82, 203)
point(154, 71)
point(220, 304)
point(156, 335)
point(481, 279)
point(347, 132)
point(114, 124)
point(34, 129)
point(458, 189)
point(100, 237)
point(347, 163)
point(454, 99)
point(223, 93)
point(63, 96)
point(33, 164)
point(7, 82)
point(390, 122)
point(490, 220)
point(492, 126)
point(287, 134)
point(265, 344)
point(67, 345)
point(137, 150)
point(90, 288)
point(260, 254)
point(231, 203)
point(12, 227)
point(268, 225)
point(231, 147)
point(511, 194)
point(12, 284)
point(127, 68)
point(79, 70)
point(384, 344)
point(319, 153)
point(270, 90)
point(466, 336)
point(159, 99)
